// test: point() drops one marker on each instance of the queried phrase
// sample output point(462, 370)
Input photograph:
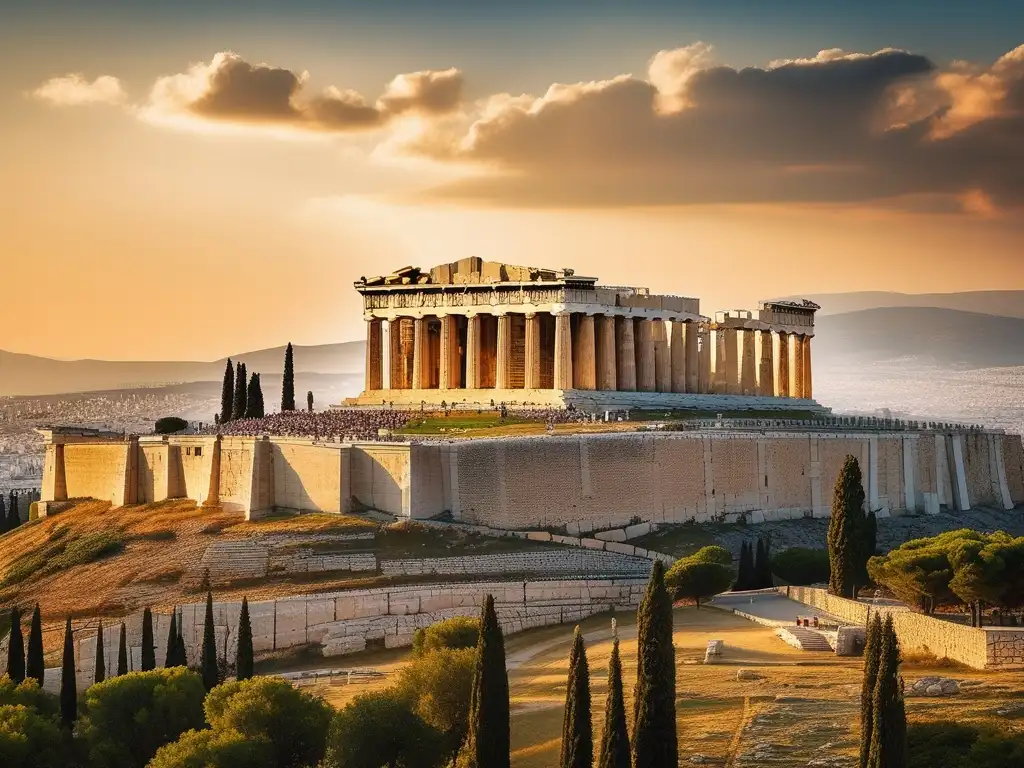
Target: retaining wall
point(981, 648)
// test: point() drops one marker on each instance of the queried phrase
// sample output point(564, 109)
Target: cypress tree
point(227, 393)
point(889, 717)
point(100, 670)
point(171, 656)
point(288, 381)
point(16, 648)
point(746, 568)
point(238, 401)
point(148, 648)
point(654, 702)
point(181, 655)
point(122, 652)
point(309, 401)
point(13, 517)
point(577, 729)
point(243, 653)
point(870, 544)
point(872, 652)
point(68, 684)
point(846, 530)
point(251, 399)
point(3, 515)
point(35, 666)
point(208, 658)
point(487, 743)
point(764, 564)
point(615, 737)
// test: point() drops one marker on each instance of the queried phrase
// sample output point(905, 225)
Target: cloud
point(75, 90)
point(231, 90)
point(837, 127)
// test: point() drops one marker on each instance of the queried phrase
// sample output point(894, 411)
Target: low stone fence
point(572, 562)
point(980, 648)
point(346, 622)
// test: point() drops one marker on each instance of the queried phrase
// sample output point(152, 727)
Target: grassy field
point(803, 708)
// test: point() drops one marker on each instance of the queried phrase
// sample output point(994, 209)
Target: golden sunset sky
point(191, 180)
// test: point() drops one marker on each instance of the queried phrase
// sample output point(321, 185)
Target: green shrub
point(88, 549)
point(126, 719)
point(168, 425)
point(944, 744)
point(712, 554)
point(801, 566)
point(214, 749)
point(697, 579)
point(28, 693)
point(378, 729)
point(29, 739)
point(293, 722)
point(455, 633)
point(438, 684)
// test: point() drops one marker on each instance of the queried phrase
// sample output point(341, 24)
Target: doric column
point(385, 354)
point(606, 378)
point(531, 372)
point(625, 355)
point(798, 366)
point(397, 367)
point(473, 352)
point(563, 351)
point(732, 361)
point(783, 364)
point(646, 374)
point(374, 372)
point(808, 387)
point(704, 372)
point(766, 372)
point(504, 353)
point(721, 380)
point(690, 334)
point(662, 357)
point(420, 354)
point(748, 365)
point(584, 366)
point(677, 353)
point(451, 368)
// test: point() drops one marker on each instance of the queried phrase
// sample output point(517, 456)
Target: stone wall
point(562, 562)
point(345, 622)
point(97, 471)
point(984, 648)
point(1013, 460)
point(307, 477)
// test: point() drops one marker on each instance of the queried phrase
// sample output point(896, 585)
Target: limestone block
point(571, 541)
point(624, 549)
point(572, 528)
point(616, 534)
point(319, 610)
point(592, 543)
point(757, 516)
point(538, 536)
point(640, 529)
point(291, 622)
point(397, 641)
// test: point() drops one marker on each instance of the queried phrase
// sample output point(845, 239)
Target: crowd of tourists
point(341, 424)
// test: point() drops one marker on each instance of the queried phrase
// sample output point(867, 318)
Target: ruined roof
point(473, 270)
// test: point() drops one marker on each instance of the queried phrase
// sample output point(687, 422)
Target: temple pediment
point(473, 270)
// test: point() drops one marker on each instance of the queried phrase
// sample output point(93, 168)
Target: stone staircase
point(234, 560)
point(804, 638)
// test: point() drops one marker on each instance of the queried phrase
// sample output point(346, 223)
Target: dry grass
point(309, 523)
point(804, 706)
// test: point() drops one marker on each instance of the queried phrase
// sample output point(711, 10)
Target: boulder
point(748, 674)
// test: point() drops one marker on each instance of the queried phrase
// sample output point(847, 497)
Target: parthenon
point(477, 332)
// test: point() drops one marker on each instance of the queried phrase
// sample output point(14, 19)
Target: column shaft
point(532, 364)
point(798, 366)
point(451, 368)
point(766, 372)
point(808, 387)
point(386, 355)
point(783, 364)
point(662, 359)
point(473, 352)
point(704, 372)
point(606, 378)
point(420, 354)
point(732, 361)
point(625, 351)
point(563, 352)
point(677, 352)
point(691, 331)
point(748, 365)
point(374, 372)
point(721, 380)
point(584, 366)
point(646, 379)
point(504, 352)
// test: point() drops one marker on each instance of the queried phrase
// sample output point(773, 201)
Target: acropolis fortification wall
point(606, 480)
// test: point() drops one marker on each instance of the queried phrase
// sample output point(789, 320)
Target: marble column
point(721, 380)
point(504, 353)
point(563, 351)
point(766, 370)
point(584, 348)
point(732, 361)
point(704, 372)
point(606, 378)
point(646, 380)
point(808, 388)
point(420, 354)
point(531, 371)
point(385, 354)
point(450, 364)
point(473, 352)
point(677, 352)
point(374, 365)
point(798, 366)
point(783, 364)
point(691, 332)
point(748, 365)
point(662, 358)
point(625, 350)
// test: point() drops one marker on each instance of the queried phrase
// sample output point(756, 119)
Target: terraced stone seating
point(803, 638)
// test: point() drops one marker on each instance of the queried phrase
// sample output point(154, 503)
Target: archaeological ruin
point(473, 332)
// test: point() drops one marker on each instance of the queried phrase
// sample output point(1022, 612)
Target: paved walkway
point(771, 608)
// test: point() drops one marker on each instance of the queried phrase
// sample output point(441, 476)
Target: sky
point(195, 179)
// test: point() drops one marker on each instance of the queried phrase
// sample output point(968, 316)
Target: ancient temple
point(473, 332)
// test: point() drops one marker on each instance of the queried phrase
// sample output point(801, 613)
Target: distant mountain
point(945, 338)
point(30, 375)
point(1006, 303)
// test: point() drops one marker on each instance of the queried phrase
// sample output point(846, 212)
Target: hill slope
point(1007, 303)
